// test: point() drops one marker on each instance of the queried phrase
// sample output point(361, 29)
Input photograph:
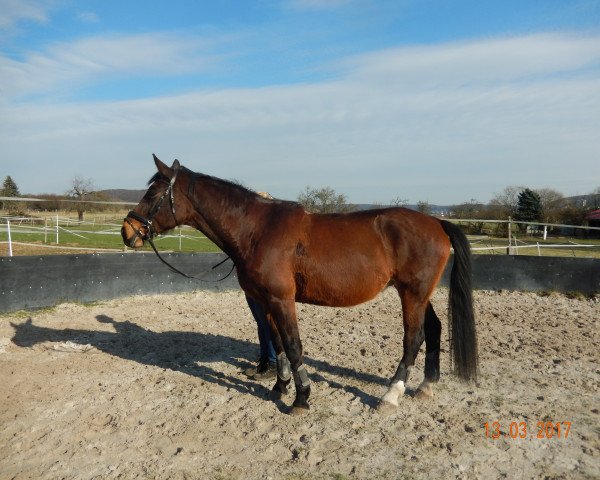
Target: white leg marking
point(396, 390)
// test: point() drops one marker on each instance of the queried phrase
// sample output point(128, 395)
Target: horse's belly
point(343, 289)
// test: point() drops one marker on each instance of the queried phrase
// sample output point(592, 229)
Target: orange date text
point(515, 430)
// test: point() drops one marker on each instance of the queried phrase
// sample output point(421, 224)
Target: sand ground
point(152, 387)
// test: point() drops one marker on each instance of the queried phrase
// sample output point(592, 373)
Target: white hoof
point(386, 407)
point(391, 396)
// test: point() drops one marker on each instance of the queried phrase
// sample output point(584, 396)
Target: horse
point(284, 254)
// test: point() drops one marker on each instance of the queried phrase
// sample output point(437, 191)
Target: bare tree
point(504, 204)
point(424, 207)
point(399, 202)
point(552, 203)
point(323, 200)
point(81, 190)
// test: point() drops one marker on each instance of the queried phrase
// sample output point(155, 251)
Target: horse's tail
point(461, 320)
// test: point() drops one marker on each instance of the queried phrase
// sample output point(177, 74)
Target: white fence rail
point(49, 231)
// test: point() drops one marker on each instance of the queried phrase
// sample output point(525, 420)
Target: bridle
point(151, 231)
point(147, 221)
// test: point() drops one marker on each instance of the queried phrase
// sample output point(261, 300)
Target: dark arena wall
point(43, 281)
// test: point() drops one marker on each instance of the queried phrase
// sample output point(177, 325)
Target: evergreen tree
point(9, 188)
point(529, 206)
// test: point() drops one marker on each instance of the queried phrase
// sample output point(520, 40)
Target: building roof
point(593, 215)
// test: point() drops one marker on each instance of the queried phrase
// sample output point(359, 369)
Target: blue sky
point(434, 100)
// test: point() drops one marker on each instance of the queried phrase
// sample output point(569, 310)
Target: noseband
point(147, 221)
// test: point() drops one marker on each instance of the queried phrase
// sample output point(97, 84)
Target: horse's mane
point(234, 184)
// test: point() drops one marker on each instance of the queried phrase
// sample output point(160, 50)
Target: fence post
point(509, 250)
point(57, 229)
point(9, 239)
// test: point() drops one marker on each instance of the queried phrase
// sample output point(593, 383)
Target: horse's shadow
point(186, 352)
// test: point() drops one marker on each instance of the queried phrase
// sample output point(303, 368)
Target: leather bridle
point(147, 221)
point(151, 231)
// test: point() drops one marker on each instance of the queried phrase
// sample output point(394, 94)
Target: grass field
point(96, 233)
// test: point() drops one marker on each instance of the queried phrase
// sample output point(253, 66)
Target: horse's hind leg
point(413, 316)
point(433, 329)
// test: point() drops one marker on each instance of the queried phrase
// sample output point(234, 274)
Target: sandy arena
point(152, 387)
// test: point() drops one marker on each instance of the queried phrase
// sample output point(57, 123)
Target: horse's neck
point(221, 213)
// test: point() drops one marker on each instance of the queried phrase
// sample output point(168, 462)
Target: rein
point(151, 232)
point(173, 269)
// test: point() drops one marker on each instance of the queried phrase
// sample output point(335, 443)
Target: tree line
point(520, 203)
point(543, 205)
point(82, 190)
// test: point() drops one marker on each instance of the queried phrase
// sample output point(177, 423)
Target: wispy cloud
point(88, 17)
point(13, 11)
point(63, 66)
point(416, 121)
point(482, 61)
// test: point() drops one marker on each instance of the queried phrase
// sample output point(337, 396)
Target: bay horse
point(285, 255)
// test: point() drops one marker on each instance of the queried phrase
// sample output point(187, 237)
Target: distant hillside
point(435, 209)
point(124, 195)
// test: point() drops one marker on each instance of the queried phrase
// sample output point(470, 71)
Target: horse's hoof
point(299, 410)
point(424, 392)
point(386, 407)
point(275, 395)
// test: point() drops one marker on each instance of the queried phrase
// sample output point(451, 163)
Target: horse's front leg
point(284, 316)
point(284, 369)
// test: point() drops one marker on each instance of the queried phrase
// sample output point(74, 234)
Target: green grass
point(103, 232)
point(107, 237)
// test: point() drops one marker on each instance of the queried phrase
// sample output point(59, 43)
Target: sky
point(442, 101)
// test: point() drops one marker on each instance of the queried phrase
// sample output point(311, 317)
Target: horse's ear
point(162, 168)
point(176, 165)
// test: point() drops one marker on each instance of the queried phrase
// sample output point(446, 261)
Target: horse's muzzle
point(131, 237)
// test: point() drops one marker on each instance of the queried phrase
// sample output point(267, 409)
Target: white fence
point(48, 232)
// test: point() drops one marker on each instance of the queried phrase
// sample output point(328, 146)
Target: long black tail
point(461, 320)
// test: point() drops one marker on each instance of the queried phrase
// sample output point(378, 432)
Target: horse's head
point(157, 212)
